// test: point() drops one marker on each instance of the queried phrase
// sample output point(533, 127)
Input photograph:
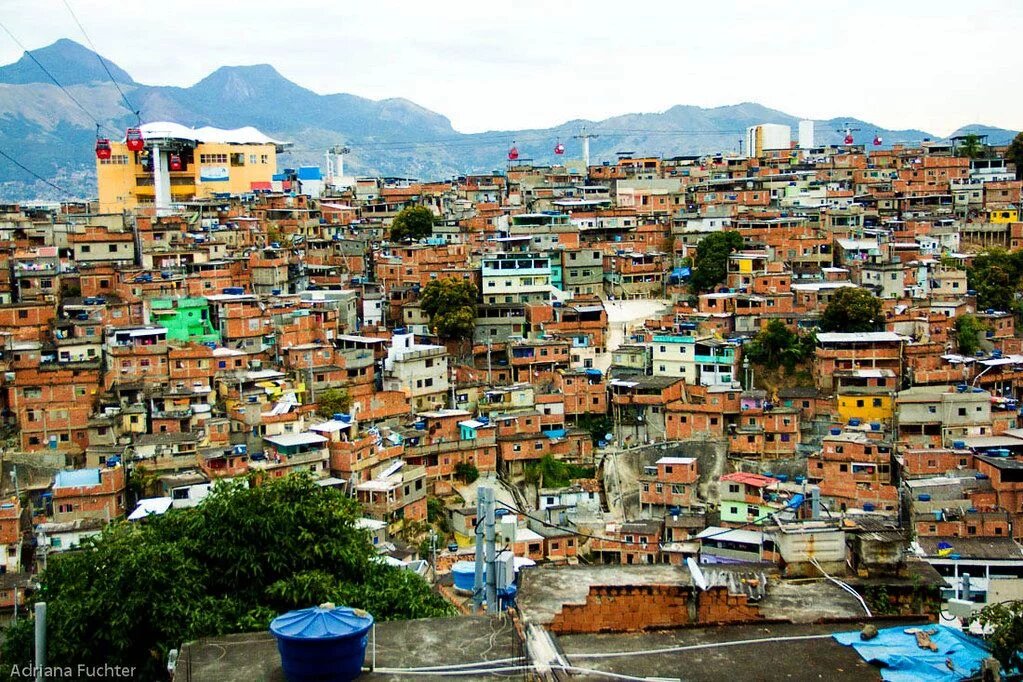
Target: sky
point(933, 65)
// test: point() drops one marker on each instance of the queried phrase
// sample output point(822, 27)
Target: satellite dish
point(608, 436)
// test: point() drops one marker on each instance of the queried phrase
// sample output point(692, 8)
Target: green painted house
point(186, 319)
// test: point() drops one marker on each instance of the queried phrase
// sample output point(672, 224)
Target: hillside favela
point(314, 387)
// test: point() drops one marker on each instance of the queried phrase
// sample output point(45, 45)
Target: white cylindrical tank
point(806, 134)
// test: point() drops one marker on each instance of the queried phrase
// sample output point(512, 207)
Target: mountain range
point(397, 137)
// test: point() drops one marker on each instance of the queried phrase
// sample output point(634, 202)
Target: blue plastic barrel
point(868, 506)
point(323, 643)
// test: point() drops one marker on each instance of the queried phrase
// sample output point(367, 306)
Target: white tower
point(806, 134)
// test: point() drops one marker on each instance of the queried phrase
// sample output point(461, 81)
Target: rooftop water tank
point(924, 497)
point(324, 643)
point(868, 506)
point(835, 431)
point(854, 422)
point(958, 444)
point(464, 575)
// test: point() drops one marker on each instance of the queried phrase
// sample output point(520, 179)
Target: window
point(112, 248)
point(733, 487)
point(213, 158)
point(962, 411)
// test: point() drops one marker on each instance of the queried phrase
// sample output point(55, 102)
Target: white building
point(516, 278)
point(421, 370)
point(765, 136)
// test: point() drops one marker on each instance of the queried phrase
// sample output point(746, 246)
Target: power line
point(33, 173)
point(102, 62)
point(51, 76)
point(626, 542)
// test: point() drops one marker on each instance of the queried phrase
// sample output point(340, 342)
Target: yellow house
point(867, 407)
point(1003, 215)
point(181, 164)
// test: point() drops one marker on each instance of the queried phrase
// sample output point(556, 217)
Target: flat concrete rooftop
point(716, 661)
point(253, 657)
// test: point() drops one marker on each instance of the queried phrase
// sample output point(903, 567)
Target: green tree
point(970, 147)
point(852, 309)
point(710, 266)
point(1015, 154)
point(775, 344)
point(458, 324)
point(968, 329)
point(414, 222)
point(1006, 637)
point(467, 472)
point(451, 306)
point(247, 553)
point(598, 426)
point(995, 275)
point(333, 401)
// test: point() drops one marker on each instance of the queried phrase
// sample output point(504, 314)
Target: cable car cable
point(33, 173)
point(102, 61)
point(51, 76)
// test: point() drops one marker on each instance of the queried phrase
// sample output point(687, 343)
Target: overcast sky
point(933, 64)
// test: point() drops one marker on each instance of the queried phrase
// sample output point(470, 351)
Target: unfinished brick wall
point(716, 605)
point(650, 607)
point(626, 609)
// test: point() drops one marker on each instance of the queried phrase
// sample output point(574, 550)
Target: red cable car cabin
point(174, 163)
point(849, 138)
point(102, 148)
point(559, 149)
point(877, 140)
point(513, 153)
point(133, 140)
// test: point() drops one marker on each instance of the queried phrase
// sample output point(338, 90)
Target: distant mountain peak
point(247, 82)
point(68, 61)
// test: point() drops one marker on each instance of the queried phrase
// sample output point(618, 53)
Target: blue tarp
point(904, 661)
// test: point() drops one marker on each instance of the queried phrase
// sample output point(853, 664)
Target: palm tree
point(971, 146)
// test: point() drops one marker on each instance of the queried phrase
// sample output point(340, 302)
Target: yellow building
point(188, 163)
point(1003, 215)
point(866, 406)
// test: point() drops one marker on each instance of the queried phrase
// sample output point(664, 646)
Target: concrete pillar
point(161, 183)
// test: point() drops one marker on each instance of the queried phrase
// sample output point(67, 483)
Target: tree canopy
point(710, 267)
point(1015, 154)
point(776, 344)
point(852, 309)
point(414, 222)
point(247, 553)
point(995, 275)
point(451, 306)
point(1005, 621)
point(971, 146)
point(333, 401)
point(968, 329)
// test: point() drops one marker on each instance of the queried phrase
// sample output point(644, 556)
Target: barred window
point(115, 160)
point(213, 158)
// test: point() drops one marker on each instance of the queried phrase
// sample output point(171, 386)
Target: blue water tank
point(464, 575)
point(868, 506)
point(322, 643)
point(875, 426)
point(854, 422)
point(959, 444)
point(783, 478)
point(835, 432)
point(924, 497)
